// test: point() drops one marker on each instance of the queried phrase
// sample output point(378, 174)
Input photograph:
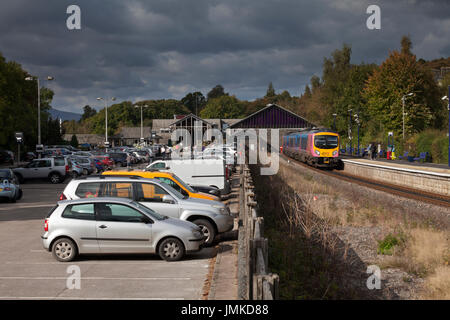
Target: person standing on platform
point(373, 151)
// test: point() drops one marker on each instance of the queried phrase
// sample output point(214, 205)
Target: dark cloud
point(139, 49)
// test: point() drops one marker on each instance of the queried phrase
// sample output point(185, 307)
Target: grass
point(314, 207)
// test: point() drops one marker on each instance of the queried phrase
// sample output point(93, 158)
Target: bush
point(387, 245)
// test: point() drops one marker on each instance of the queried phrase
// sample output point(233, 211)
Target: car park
point(55, 169)
point(9, 186)
point(213, 216)
point(114, 225)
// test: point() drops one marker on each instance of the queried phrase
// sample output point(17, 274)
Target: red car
point(106, 161)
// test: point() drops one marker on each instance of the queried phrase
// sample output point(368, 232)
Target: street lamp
point(142, 121)
point(448, 107)
point(106, 120)
point(334, 121)
point(32, 78)
point(403, 108)
point(350, 138)
point(356, 115)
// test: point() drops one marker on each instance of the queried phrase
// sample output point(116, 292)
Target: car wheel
point(74, 174)
point(208, 230)
point(171, 249)
point(85, 172)
point(19, 178)
point(64, 250)
point(20, 194)
point(55, 178)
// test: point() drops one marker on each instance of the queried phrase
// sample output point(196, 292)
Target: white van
point(209, 172)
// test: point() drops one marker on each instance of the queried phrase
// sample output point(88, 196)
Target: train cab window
point(326, 141)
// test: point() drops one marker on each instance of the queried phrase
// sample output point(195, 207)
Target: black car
point(120, 158)
point(5, 157)
point(207, 189)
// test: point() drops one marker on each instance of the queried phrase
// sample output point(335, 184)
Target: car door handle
point(103, 226)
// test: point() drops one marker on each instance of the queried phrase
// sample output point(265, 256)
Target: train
point(316, 147)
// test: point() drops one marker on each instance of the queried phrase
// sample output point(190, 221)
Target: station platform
point(426, 166)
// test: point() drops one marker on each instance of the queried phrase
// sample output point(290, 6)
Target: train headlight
point(317, 152)
point(335, 152)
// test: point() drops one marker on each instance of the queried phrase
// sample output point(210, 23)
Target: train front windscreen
point(326, 142)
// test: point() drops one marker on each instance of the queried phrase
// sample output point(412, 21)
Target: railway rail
point(401, 191)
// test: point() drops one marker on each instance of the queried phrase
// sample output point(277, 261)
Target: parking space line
point(28, 206)
point(83, 298)
point(98, 278)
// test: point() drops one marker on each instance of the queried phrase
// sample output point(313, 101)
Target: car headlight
point(222, 209)
point(317, 152)
point(335, 152)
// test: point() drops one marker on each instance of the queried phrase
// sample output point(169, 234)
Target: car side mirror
point(167, 168)
point(168, 199)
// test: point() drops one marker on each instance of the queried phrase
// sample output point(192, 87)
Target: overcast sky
point(153, 49)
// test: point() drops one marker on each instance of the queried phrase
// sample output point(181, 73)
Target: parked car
point(114, 225)
point(29, 156)
point(119, 158)
point(212, 216)
point(9, 186)
point(55, 169)
point(88, 164)
point(6, 157)
point(75, 169)
point(167, 177)
point(207, 190)
point(106, 161)
point(210, 172)
point(82, 154)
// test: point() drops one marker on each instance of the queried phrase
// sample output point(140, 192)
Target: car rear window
point(59, 162)
point(80, 211)
point(88, 190)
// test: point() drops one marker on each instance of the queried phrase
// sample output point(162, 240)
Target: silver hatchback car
point(115, 225)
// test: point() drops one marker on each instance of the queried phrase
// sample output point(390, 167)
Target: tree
point(399, 75)
point(307, 93)
point(74, 141)
point(88, 112)
point(216, 92)
point(194, 101)
point(224, 107)
point(270, 91)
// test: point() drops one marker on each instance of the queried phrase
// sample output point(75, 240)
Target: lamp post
point(106, 120)
point(448, 107)
point(357, 122)
point(142, 121)
point(32, 78)
point(403, 108)
point(350, 129)
point(334, 121)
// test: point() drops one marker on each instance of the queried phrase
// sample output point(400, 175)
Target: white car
point(208, 172)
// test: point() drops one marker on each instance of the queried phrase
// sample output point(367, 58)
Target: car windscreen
point(325, 141)
point(185, 185)
point(175, 192)
point(149, 211)
point(5, 174)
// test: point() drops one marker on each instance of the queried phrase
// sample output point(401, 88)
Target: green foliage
point(386, 246)
point(225, 107)
point(88, 112)
point(194, 101)
point(216, 92)
point(74, 141)
point(399, 75)
point(270, 91)
point(18, 108)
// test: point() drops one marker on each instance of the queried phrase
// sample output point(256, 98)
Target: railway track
point(401, 191)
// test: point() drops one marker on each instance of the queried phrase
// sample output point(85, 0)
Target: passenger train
point(316, 147)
